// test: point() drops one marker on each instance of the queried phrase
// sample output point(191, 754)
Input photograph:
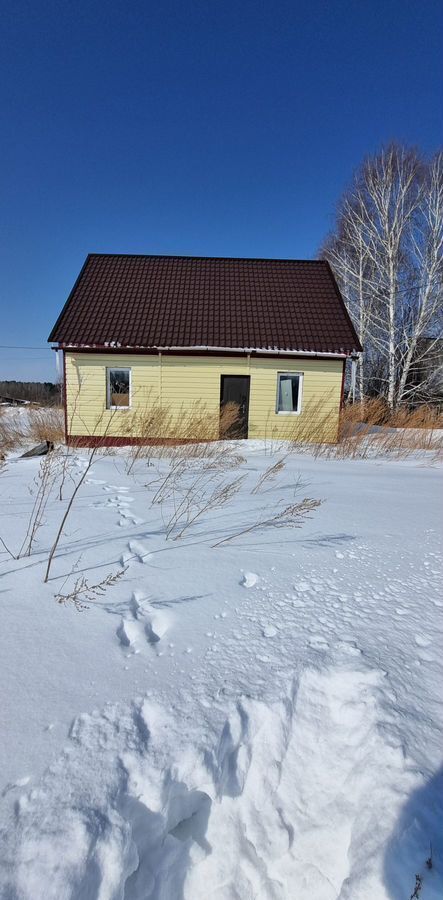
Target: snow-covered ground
point(258, 720)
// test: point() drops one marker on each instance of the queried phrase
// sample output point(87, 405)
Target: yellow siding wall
point(183, 386)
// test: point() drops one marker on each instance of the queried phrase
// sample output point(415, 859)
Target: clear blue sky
point(207, 128)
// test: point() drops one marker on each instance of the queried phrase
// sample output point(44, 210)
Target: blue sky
point(207, 128)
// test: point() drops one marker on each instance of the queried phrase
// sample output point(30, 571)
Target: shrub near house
point(188, 336)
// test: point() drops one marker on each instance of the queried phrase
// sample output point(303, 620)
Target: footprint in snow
point(144, 624)
point(126, 558)
point(125, 514)
point(120, 501)
point(138, 604)
point(139, 551)
point(128, 633)
point(80, 463)
point(249, 579)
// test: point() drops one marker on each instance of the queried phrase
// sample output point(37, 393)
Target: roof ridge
point(270, 259)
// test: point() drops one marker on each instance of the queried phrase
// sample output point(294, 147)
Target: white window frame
point(110, 369)
point(290, 412)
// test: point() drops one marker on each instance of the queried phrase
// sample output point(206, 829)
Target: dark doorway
point(235, 389)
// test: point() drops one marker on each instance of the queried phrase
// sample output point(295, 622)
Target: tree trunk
point(391, 338)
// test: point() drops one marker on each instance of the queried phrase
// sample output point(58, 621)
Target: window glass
point(289, 392)
point(118, 387)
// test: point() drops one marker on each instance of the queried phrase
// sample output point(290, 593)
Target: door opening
point(235, 389)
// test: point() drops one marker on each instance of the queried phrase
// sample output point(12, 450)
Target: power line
point(28, 359)
point(11, 347)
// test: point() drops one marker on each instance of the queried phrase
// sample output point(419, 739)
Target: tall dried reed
point(19, 426)
point(159, 431)
point(370, 429)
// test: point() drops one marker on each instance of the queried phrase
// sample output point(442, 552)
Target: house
point(155, 346)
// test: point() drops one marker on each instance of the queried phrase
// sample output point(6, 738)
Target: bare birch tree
point(386, 253)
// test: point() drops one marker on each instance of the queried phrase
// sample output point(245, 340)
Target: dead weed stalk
point(203, 496)
point(292, 516)
point(269, 474)
point(83, 592)
point(43, 485)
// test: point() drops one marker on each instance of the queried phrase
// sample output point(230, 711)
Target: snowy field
point(259, 720)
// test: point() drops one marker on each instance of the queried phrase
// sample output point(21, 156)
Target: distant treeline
point(38, 391)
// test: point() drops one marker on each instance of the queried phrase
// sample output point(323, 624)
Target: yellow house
point(174, 348)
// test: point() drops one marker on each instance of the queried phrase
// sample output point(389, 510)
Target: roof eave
point(113, 346)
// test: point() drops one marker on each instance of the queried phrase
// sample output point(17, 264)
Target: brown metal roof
point(182, 302)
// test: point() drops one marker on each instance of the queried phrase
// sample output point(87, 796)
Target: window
point(118, 388)
point(289, 391)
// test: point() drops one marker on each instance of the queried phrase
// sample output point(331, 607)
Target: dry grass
point(31, 426)
point(370, 429)
point(197, 429)
point(365, 430)
point(316, 425)
point(11, 432)
point(375, 411)
point(47, 424)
